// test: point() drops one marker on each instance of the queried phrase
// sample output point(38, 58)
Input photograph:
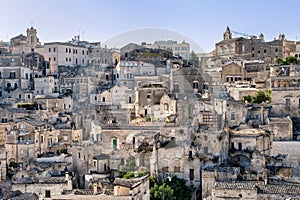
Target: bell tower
point(32, 38)
point(227, 35)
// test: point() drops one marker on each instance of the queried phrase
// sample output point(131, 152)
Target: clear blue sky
point(204, 21)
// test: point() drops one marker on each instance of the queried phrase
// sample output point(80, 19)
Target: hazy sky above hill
point(203, 21)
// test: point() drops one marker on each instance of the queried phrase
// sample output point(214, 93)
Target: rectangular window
point(166, 106)
point(50, 142)
point(232, 116)
point(54, 49)
point(176, 87)
point(205, 150)
point(78, 155)
point(195, 85)
point(48, 193)
point(21, 166)
point(240, 146)
point(176, 169)
point(191, 174)
point(12, 75)
point(288, 104)
point(49, 49)
point(190, 154)
point(115, 143)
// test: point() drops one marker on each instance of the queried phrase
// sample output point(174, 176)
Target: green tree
point(247, 98)
point(259, 97)
point(194, 59)
point(174, 189)
point(280, 61)
point(130, 166)
point(181, 191)
point(291, 60)
point(262, 96)
point(288, 60)
point(163, 191)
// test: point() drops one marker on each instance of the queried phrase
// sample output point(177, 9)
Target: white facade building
point(65, 54)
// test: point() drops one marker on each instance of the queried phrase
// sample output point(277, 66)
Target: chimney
point(67, 177)
point(69, 181)
point(95, 188)
point(136, 174)
point(266, 181)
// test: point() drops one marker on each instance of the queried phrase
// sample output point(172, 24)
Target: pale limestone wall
point(220, 194)
point(64, 54)
point(289, 148)
point(121, 191)
point(39, 189)
point(90, 197)
point(279, 98)
point(282, 128)
point(45, 85)
point(239, 93)
point(276, 196)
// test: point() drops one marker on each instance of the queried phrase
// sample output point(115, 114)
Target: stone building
point(14, 75)
point(45, 187)
point(246, 75)
point(25, 44)
point(27, 140)
point(253, 48)
point(249, 145)
point(65, 54)
point(46, 85)
point(137, 187)
point(102, 55)
point(282, 128)
point(178, 49)
point(147, 99)
point(212, 174)
point(285, 95)
point(128, 70)
point(254, 190)
point(78, 86)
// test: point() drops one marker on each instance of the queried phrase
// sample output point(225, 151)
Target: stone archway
point(242, 161)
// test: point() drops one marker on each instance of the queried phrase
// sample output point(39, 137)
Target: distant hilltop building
point(253, 48)
point(178, 49)
point(22, 44)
